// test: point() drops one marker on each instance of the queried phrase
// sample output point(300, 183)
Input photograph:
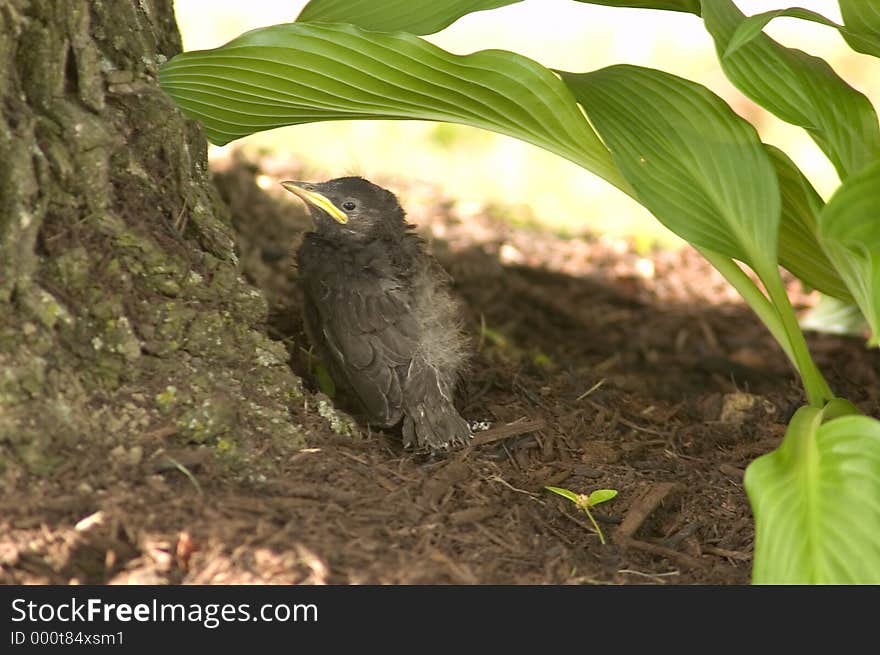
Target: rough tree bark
point(122, 310)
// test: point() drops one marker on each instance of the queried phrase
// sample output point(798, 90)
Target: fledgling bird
point(379, 313)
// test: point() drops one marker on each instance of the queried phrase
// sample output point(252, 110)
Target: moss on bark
point(118, 275)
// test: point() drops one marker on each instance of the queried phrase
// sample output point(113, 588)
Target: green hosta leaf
point(834, 316)
point(850, 233)
point(699, 168)
point(816, 501)
point(414, 16)
point(430, 16)
point(565, 493)
point(799, 248)
point(307, 72)
point(690, 6)
point(752, 26)
point(852, 216)
point(704, 173)
point(838, 407)
point(601, 496)
point(862, 17)
point(799, 88)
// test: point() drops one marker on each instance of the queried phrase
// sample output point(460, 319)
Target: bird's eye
point(348, 205)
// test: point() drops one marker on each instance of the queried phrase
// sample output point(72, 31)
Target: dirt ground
point(596, 367)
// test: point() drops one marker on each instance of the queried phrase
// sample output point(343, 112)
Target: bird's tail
point(430, 420)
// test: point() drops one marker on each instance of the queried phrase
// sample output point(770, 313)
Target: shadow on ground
point(597, 368)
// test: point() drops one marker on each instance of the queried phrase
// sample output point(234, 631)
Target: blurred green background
point(522, 182)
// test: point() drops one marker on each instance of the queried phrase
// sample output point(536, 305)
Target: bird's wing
point(365, 328)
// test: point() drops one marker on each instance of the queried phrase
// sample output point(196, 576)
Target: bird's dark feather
point(361, 324)
point(377, 312)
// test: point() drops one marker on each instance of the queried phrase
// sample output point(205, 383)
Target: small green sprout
point(325, 382)
point(493, 336)
point(543, 360)
point(322, 375)
point(585, 502)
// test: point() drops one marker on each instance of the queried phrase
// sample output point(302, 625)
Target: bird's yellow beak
point(316, 199)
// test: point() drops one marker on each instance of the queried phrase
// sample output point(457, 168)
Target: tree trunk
point(124, 321)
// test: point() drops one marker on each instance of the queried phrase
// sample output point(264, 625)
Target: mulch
point(595, 367)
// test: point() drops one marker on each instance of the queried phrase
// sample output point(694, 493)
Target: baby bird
point(379, 314)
